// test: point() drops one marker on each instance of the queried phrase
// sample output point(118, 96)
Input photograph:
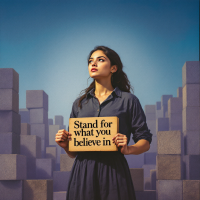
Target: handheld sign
point(93, 133)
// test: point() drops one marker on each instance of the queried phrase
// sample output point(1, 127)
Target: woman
point(105, 175)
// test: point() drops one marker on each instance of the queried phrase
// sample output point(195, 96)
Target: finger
point(61, 135)
point(69, 135)
point(116, 135)
point(59, 140)
point(58, 136)
point(121, 140)
point(121, 145)
point(121, 135)
point(114, 138)
point(115, 141)
point(118, 139)
point(67, 132)
point(61, 130)
point(64, 136)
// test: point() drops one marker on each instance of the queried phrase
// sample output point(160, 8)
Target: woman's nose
point(94, 63)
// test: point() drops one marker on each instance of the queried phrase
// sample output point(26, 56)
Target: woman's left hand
point(121, 141)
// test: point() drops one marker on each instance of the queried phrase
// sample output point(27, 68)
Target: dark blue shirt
point(124, 105)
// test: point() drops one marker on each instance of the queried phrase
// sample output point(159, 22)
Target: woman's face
point(99, 65)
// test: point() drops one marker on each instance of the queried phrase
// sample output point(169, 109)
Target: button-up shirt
point(126, 106)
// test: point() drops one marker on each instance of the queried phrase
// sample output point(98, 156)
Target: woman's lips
point(94, 70)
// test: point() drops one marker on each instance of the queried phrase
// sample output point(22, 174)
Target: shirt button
point(98, 110)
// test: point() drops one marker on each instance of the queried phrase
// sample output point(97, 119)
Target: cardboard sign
point(93, 133)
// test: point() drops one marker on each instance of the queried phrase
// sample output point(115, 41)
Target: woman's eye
point(99, 60)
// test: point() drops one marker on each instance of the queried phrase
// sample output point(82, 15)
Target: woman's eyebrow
point(98, 57)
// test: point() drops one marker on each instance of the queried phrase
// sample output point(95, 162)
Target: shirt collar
point(117, 91)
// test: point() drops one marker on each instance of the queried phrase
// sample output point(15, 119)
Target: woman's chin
point(98, 77)
point(95, 76)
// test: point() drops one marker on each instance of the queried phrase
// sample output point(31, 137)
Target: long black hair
point(119, 78)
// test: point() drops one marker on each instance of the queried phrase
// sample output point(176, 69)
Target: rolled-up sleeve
point(139, 127)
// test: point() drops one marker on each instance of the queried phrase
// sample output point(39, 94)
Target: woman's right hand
point(62, 138)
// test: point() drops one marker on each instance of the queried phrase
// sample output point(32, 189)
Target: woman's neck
point(103, 88)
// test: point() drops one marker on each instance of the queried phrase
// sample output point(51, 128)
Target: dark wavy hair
point(119, 78)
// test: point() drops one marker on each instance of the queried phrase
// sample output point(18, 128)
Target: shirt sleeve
point(74, 110)
point(138, 122)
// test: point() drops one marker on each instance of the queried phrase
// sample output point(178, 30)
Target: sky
point(48, 42)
